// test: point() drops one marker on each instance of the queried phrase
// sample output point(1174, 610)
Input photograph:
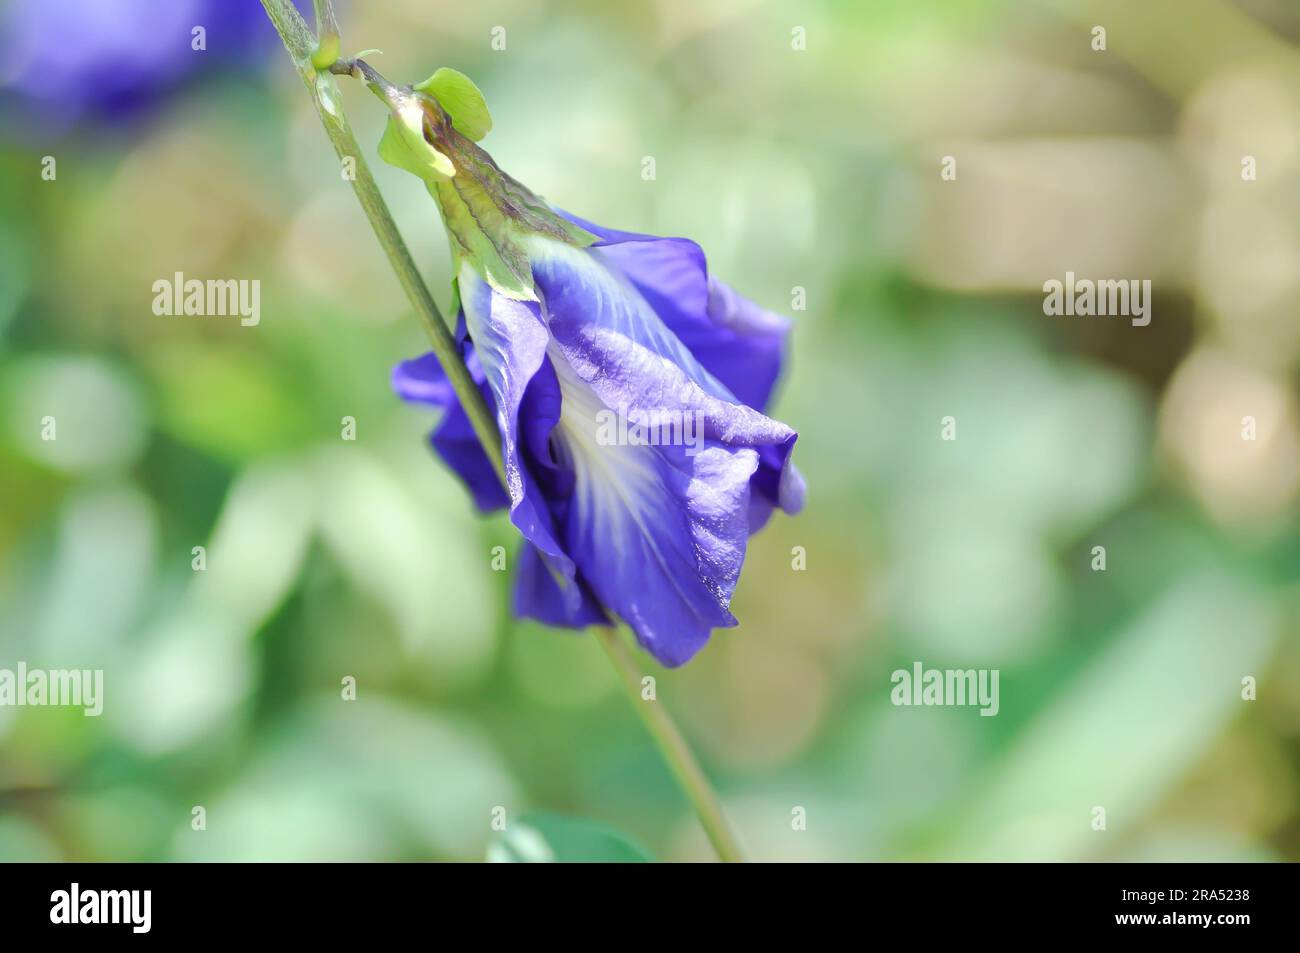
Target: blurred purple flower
point(64, 60)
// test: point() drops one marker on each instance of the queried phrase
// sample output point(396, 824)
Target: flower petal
point(740, 343)
point(510, 340)
point(422, 381)
point(659, 532)
point(615, 342)
point(537, 595)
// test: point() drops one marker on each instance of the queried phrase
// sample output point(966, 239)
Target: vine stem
point(681, 760)
point(301, 44)
point(318, 76)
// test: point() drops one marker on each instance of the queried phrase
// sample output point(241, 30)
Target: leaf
point(458, 95)
point(552, 838)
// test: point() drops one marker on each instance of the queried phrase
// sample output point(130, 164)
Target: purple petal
point(422, 381)
point(617, 344)
point(537, 595)
point(510, 340)
point(668, 560)
point(659, 532)
point(738, 342)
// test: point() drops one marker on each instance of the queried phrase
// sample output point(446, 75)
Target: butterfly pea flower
point(628, 383)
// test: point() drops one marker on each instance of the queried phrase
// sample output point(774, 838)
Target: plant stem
point(327, 35)
point(681, 760)
point(302, 47)
point(300, 44)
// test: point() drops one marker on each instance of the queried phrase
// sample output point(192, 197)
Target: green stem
point(301, 46)
point(681, 760)
point(327, 24)
point(306, 55)
point(327, 35)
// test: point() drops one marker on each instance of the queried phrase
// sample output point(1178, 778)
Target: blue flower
point(63, 59)
point(629, 386)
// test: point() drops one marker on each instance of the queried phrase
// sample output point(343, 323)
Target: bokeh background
point(814, 168)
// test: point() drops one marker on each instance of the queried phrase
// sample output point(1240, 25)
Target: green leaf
point(552, 838)
point(462, 100)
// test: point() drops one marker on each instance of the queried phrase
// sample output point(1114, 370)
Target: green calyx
point(431, 133)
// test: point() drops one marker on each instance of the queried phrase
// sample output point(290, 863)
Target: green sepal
point(490, 217)
point(453, 308)
point(482, 236)
point(403, 145)
point(462, 100)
